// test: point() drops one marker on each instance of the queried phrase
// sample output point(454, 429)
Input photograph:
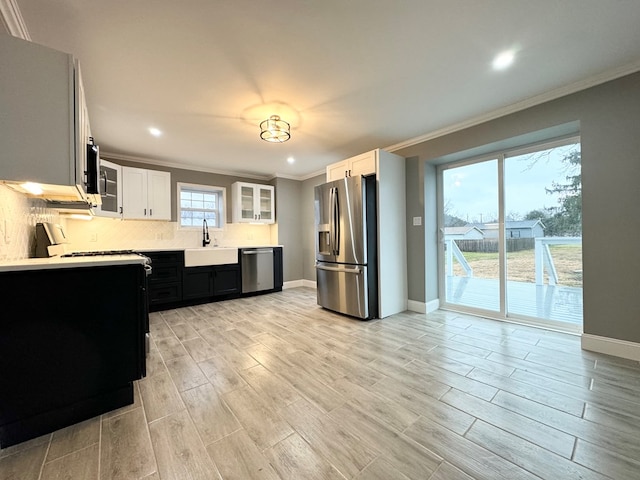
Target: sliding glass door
point(511, 235)
point(471, 267)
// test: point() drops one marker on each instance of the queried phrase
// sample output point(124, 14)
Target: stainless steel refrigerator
point(346, 246)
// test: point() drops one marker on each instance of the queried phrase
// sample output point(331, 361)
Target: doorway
point(510, 235)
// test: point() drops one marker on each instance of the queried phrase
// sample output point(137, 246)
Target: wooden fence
point(491, 245)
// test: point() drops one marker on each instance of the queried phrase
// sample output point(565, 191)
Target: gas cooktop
point(99, 253)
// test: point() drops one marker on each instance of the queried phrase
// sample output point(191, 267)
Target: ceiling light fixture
point(155, 131)
point(275, 130)
point(504, 60)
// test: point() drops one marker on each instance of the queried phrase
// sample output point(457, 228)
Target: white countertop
point(69, 262)
point(173, 249)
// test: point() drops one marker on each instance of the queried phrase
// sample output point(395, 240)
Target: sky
point(471, 191)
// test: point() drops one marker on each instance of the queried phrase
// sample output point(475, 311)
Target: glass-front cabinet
point(110, 188)
point(253, 203)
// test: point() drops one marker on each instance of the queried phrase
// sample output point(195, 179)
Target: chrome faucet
point(205, 233)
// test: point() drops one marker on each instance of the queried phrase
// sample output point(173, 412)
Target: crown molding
point(12, 19)
point(522, 105)
point(300, 178)
point(181, 166)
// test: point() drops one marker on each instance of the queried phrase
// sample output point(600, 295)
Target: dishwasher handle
point(257, 251)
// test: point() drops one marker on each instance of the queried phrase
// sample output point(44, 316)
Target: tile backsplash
point(18, 217)
point(114, 234)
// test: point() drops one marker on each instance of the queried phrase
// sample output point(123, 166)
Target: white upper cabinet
point(146, 194)
point(44, 126)
point(363, 164)
point(253, 203)
point(110, 187)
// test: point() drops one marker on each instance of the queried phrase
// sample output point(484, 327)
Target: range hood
point(60, 197)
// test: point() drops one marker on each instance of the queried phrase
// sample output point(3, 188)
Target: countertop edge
point(53, 263)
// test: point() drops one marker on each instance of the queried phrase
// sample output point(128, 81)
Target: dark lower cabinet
point(226, 279)
point(165, 281)
point(72, 342)
point(278, 276)
point(171, 284)
point(197, 283)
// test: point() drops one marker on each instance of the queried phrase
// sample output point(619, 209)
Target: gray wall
point(607, 117)
point(288, 215)
point(415, 234)
point(308, 226)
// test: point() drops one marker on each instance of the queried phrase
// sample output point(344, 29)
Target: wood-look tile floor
point(273, 387)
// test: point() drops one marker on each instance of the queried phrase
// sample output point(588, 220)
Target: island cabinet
point(69, 352)
point(165, 281)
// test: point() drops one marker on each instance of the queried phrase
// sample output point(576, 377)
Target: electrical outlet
point(158, 236)
point(93, 237)
point(417, 221)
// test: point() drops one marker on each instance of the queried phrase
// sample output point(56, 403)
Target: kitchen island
point(72, 341)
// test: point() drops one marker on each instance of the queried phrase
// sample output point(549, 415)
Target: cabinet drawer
point(164, 273)
point(165, 258)
point(166, 293)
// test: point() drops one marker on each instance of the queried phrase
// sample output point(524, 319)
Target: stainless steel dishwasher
point(257, 269)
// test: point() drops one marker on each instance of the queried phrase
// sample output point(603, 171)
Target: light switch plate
point(417, 221)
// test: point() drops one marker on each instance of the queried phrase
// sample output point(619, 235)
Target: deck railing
point(544, 259)
point(452, 250)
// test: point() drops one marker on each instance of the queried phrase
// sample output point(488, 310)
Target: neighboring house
point(513, 228)
point(463, 233)
point(524, 229)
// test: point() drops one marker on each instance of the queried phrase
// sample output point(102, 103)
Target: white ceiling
point(349, 75)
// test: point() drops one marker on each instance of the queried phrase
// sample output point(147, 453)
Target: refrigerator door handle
point(331, 221)
point(355, 270)
point(335, 222)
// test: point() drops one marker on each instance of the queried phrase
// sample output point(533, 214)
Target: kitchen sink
point(199, 257)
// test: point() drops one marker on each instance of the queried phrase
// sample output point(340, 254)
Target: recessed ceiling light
point(291, 160)
point(154, 131)
point(503, 60)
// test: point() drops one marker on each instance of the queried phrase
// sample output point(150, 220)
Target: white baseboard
point(421, 307)
point(415, 306)
point(611, 346)
point(433, 305)
point(299, 283)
